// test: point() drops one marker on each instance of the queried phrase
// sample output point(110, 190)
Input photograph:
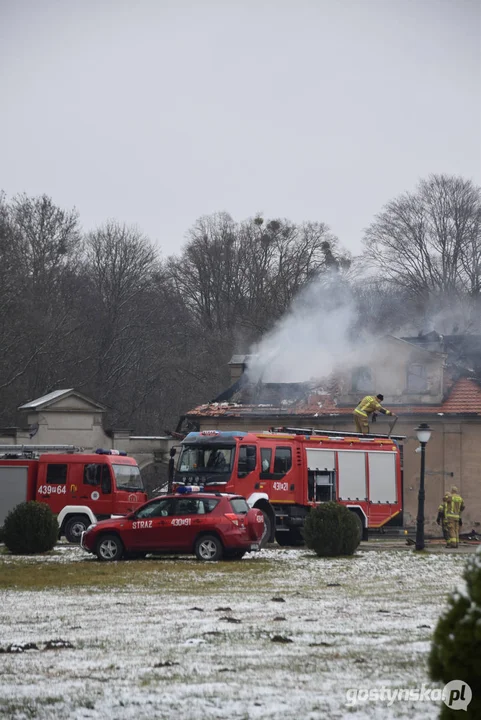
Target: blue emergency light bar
point(186, 489)
point(213, 435)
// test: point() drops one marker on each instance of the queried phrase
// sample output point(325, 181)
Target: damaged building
point(427, 378)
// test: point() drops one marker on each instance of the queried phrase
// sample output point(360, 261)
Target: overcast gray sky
point(155, 112)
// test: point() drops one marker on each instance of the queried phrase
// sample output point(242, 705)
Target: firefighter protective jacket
point(368, 405)
point(443, 509)
point(454, 506)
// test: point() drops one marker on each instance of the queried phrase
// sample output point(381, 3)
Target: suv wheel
point(208, 547)
point(109, 548)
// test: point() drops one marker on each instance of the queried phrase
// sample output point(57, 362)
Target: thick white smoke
point(317, 338)
point(312, 340)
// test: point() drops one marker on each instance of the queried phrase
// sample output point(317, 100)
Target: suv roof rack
point(334, 433)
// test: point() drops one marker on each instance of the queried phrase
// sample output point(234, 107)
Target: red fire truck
point(287, 471)
point(80, 488)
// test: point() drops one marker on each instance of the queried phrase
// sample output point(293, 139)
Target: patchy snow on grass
point(280, 634)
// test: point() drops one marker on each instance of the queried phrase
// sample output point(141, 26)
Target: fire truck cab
point(287, 471)
point(80, 488)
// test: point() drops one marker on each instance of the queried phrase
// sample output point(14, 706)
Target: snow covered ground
point(280, 634)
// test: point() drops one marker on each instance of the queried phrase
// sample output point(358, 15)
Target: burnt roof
point(461, 388)
point(464, 398)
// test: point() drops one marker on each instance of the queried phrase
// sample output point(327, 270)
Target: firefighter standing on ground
point(454, 508)
point(442, 512)
point(368, 405)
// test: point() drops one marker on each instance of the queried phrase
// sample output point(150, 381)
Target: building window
point(362, 380)
point(417, 378)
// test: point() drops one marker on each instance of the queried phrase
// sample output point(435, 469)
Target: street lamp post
point(423, 433)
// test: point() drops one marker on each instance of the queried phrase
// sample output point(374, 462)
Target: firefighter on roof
point(454, 508)
point(442, 512)
point(368, 405)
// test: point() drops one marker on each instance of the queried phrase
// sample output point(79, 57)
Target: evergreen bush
point(456, 648)
point(331, 529)
point(30, 528)
point(2, 534)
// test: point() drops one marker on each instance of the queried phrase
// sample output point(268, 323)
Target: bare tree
point(120, 263)
point(37, 242)
point(244, 275)
point(45, 239)
point(429, 241)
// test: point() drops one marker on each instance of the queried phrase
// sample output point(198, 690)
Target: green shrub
point(456, 649)
point(30, 528)
point(331, 529)
point(2, 534)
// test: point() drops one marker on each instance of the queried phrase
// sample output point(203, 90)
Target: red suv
point(211, 525)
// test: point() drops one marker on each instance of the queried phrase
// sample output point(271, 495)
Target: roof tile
point(464, 398)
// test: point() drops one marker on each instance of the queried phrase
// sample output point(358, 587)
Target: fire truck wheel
point(74, 527)
point(209, 547)
point(109, 548)
point(360, 525)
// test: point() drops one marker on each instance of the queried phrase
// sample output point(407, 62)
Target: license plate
point(255, 546)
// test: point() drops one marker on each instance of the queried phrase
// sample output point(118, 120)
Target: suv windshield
point(128, 477)
point(210, 459)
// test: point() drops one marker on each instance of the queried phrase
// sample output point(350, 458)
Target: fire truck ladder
point(334, 433)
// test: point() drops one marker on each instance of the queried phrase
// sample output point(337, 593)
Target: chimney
point(237, 366)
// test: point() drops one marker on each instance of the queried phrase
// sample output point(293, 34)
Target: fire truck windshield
point(128, 477)
point(207, 459)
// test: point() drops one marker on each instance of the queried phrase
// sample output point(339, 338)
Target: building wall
point(389, 361)
point(81, 428)
point(469, 460)
point(453, 456)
